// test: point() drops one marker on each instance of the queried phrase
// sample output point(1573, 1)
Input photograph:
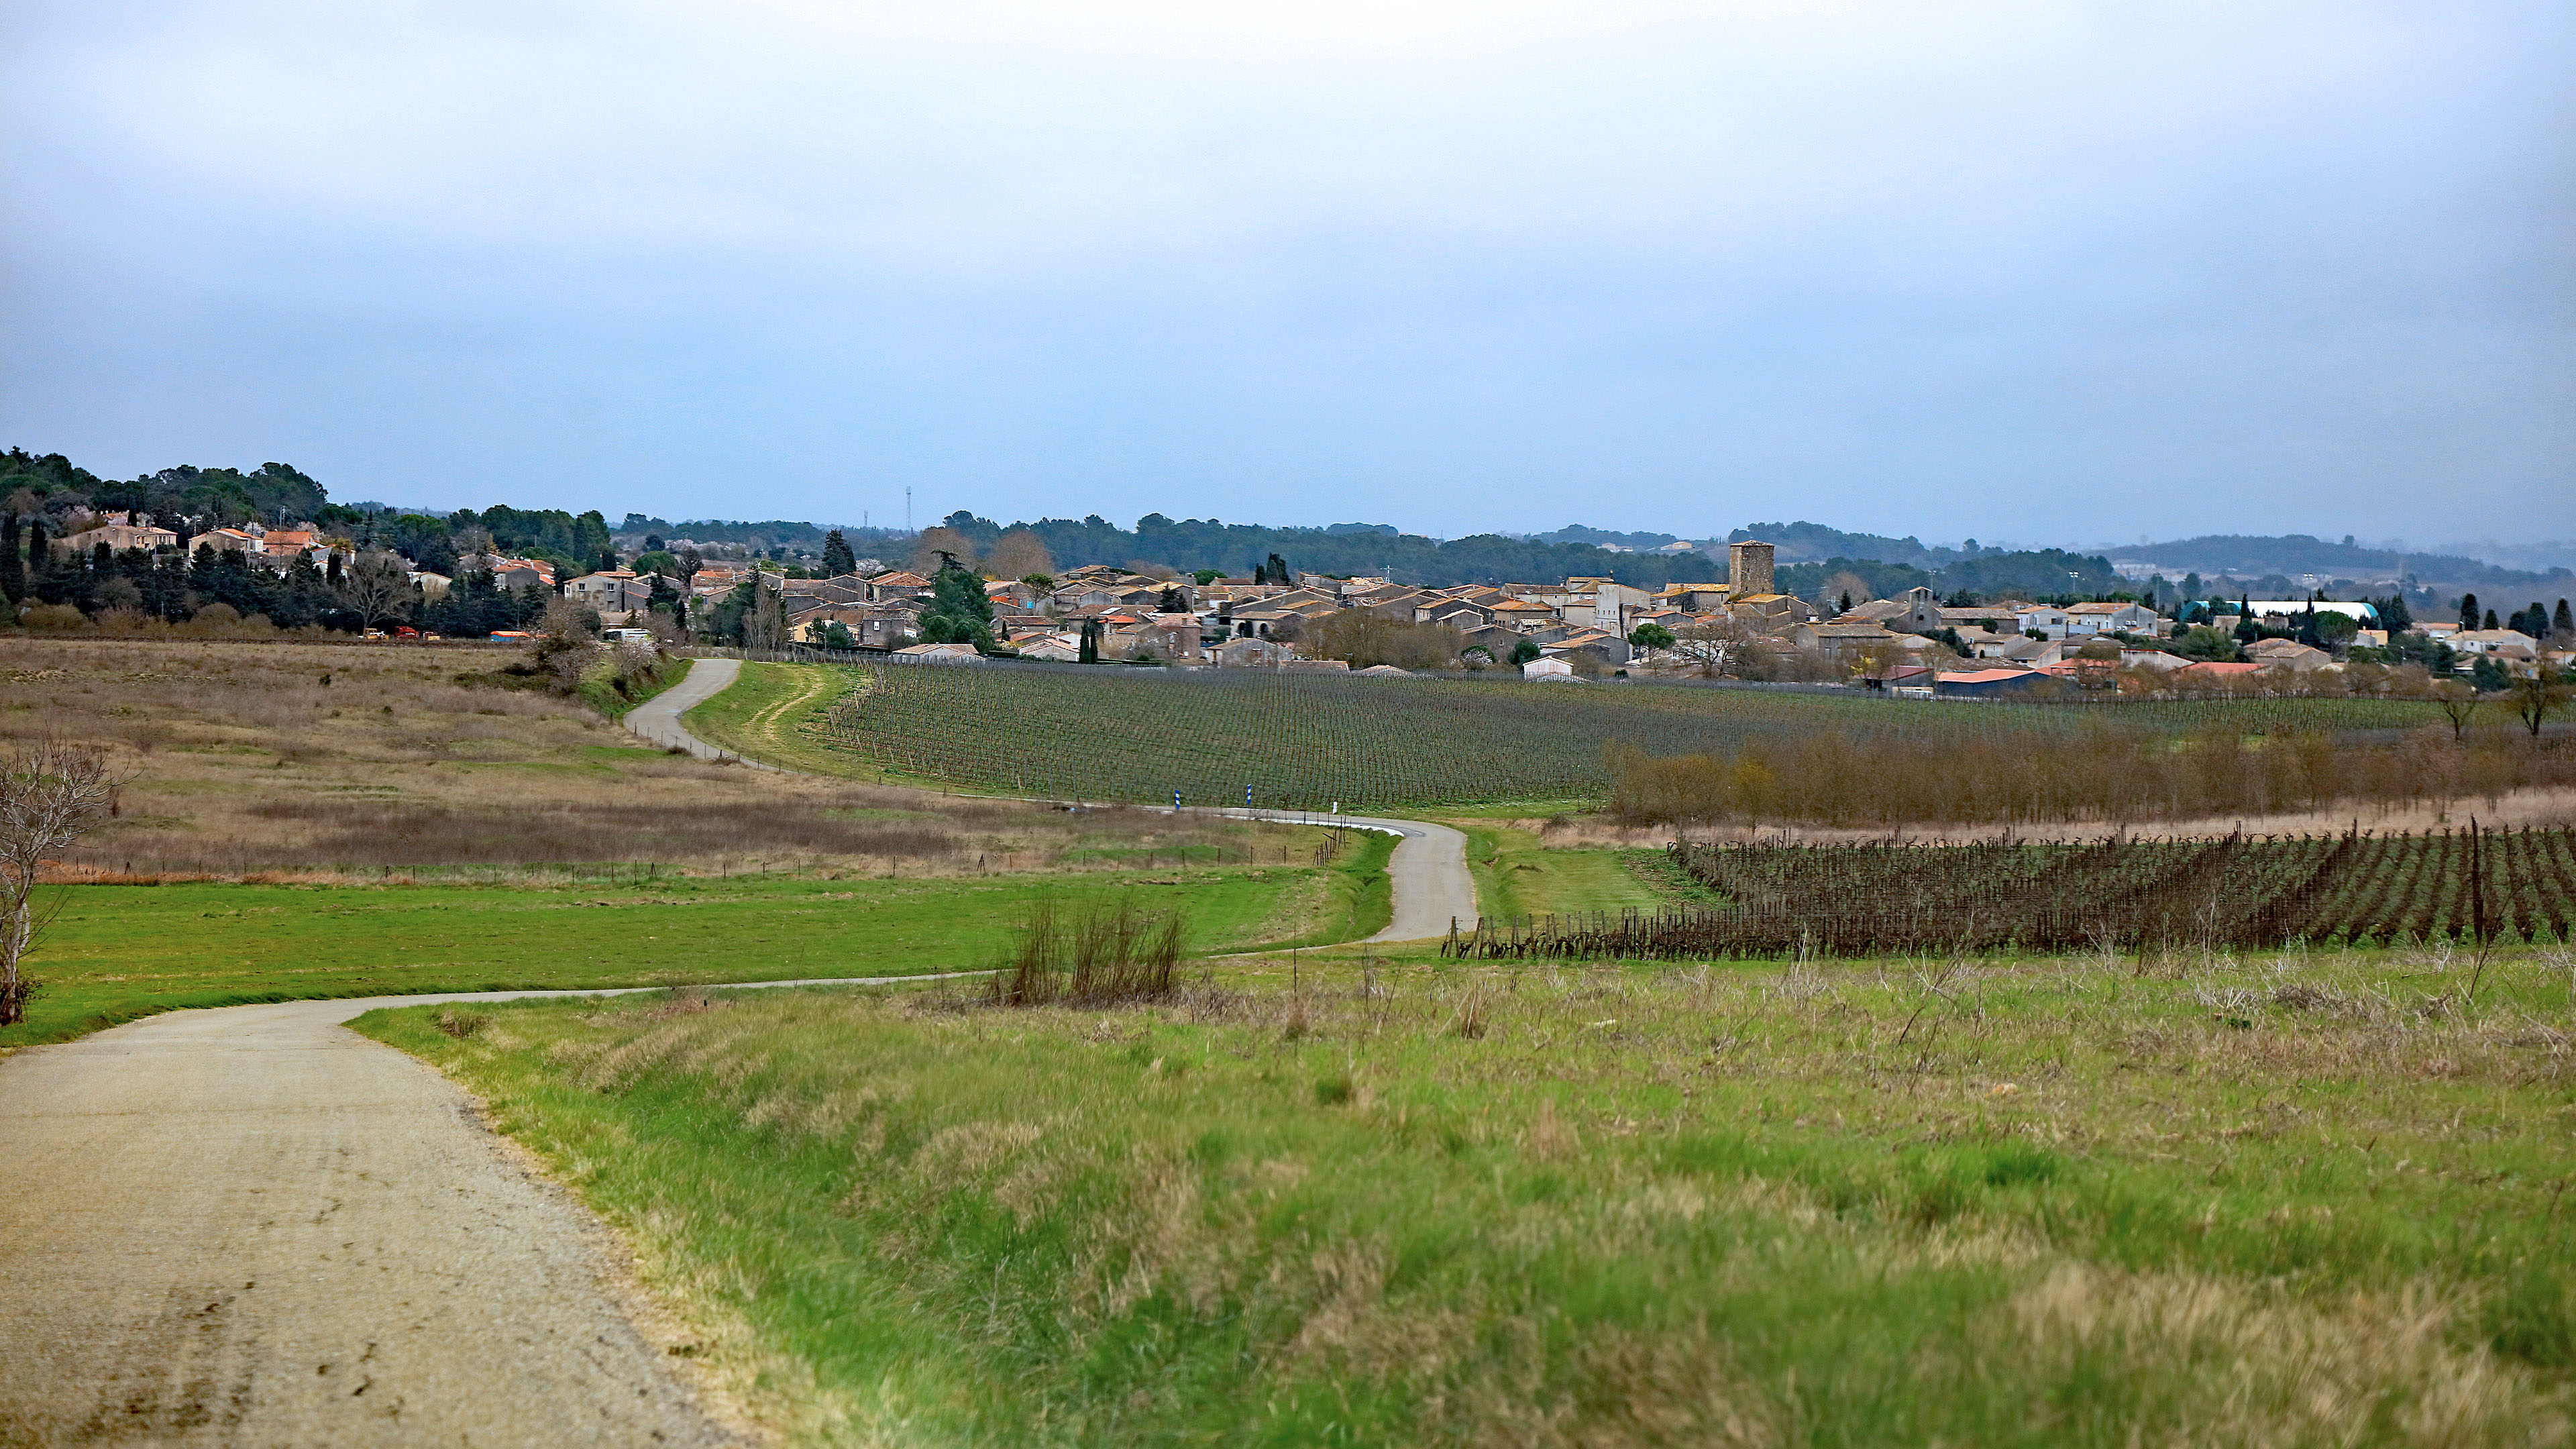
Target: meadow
point(306, 820)
point(277, 760)
point(114, 952)
point(2289, 1199)
point(1304, 741)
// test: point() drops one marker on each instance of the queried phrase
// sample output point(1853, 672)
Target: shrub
point(52, 618)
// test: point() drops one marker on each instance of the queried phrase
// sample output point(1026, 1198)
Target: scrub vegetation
point(2295, 1198)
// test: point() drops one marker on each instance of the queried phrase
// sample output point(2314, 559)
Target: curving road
point(1429, 868)
point(250, 1226)
point(658, 719)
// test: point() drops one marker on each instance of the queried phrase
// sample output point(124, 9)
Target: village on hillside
point(2158, 638)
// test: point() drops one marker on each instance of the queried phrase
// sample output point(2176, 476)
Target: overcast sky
point(2021, 271)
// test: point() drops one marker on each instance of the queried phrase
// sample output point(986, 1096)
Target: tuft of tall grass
point(1109, 952)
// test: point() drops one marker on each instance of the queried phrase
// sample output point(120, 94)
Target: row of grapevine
point(1307, 740)
point(2236, 891)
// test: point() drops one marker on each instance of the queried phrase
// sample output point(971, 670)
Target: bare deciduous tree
point(1712, 643)
point(564, 646)
point(2535, 697)
point(2458, 703)
point(379, 586)
point(50, 792)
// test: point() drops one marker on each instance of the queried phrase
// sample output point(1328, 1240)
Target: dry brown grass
point(253, 759)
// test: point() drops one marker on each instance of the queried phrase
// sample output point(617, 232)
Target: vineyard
point(1307, 740)
point(2236, 891)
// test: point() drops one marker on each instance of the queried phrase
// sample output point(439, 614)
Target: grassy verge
point(1353, 900)
point(764, 714)
point(600, 695)
point(2293, 1201)
point(115, 953)
point(1516, 874)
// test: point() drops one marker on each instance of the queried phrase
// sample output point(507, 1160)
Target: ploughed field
point(1304, 741)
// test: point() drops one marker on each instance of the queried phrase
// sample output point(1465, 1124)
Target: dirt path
point(253, 1226)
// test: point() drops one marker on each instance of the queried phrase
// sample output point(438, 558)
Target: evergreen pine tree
point(1090, 652)
point(960, 611)
point(837, 558)
point(2492, 621)
point(13, 576)
point(2563, 622)
point(2468, 612)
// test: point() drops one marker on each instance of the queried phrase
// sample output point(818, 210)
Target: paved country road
point(252, 1226)
point(1431, 883)
point(658, 719)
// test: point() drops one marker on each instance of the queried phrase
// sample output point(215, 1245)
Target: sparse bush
point(565, 648)
point(52, 618)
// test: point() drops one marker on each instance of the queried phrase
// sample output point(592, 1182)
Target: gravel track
point(252, 1226)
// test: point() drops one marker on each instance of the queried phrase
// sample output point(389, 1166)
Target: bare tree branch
point(50, 793)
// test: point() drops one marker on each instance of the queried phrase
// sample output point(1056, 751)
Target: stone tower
point(1748, 568)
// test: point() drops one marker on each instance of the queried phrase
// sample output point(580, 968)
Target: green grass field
point(1303, 741)
point(119, 952)
point(2294, 1200)
point(1516, 875)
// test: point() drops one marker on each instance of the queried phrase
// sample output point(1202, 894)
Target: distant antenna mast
point(907, 510)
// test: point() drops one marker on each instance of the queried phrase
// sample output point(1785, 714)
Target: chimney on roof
point(1748, 568)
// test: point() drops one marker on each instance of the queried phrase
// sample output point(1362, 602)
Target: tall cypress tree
point(2492, 621)
point(837, 558)
point(2563, 622)
point(2468, 612)
point(13, 576)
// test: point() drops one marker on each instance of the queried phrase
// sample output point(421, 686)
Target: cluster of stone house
point(277, 547)
point(1577, 624)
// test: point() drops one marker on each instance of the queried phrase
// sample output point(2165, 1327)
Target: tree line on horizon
point(278, 493)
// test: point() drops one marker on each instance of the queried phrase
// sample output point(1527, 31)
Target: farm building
point(1986, 683)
